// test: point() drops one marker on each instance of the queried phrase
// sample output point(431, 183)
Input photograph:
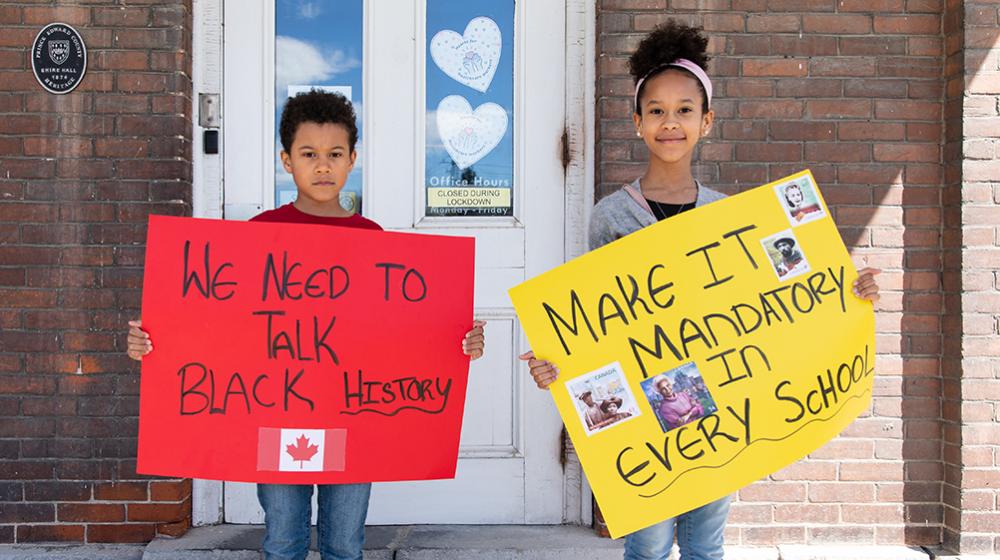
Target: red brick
point(810, 87)
point(772, 151)
point(11, 14)
point(804, 45)
point(873, 513)
point(774, 67)
point(135, 82)
point(841, 492)
point(843, 66)
point(872, 131)
point(121, 533)
point(92, 513)
point(176, 529)
point(50, 533)
point(64, 14)
point(908, 24)
point(776, 108)
point(838, 109)
point(159, 512)
point(842, 535)
point(806, 513)
point(770, 534)
point(906, 152)
point(121, 60)
point(58, 146)
point(122, 491)
point(907, 110)
point(766, 491)
point(837, 152)
point(120, 16)
point(837, 24)
point(808, 470)
point(170, 491)
point(771, 23)
point(870, 6)
point(28, 168)
point(26, 513)
point(146, 38)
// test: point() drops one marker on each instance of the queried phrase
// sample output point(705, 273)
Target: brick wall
point(78, 175)
point(972, 482)
point(853, 90)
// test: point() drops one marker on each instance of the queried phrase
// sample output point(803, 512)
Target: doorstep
point(500, 542)
point(438, 542)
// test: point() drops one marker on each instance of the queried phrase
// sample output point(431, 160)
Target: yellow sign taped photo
point(704, 352)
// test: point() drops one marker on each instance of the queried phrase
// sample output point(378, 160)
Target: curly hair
point(319, 107)
point(668, 42)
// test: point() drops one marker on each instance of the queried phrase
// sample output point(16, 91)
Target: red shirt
point(290, 214)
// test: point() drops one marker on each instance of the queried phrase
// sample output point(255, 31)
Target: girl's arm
point(866, 287)
point(544, 373)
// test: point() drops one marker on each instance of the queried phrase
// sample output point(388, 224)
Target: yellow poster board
point(704, 352)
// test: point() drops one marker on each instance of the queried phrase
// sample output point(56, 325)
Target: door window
point(469, 159)
point(318, 45)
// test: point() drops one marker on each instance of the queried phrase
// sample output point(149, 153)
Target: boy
point(318, 136)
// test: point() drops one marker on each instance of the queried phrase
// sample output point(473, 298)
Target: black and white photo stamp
point(800, 200)
point(785, 255)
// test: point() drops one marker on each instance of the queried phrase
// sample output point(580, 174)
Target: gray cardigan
point(619, 214)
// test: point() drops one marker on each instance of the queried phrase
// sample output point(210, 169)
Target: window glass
point(469, 161)
point(318, 45)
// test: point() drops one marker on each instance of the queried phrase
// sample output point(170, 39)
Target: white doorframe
point(580, 60)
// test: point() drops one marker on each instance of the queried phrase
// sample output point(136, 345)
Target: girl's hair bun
point(668, 42)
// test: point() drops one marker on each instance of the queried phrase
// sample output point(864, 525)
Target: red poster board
point(302, 353)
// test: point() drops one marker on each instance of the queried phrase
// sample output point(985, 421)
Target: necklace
point(660, 214)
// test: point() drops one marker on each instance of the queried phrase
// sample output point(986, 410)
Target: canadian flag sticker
point(301, 450)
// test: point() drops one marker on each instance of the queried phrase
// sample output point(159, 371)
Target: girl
point(673, 112)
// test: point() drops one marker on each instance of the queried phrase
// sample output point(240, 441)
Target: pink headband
point(687, 65)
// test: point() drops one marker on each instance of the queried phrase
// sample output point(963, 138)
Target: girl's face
point(612, 408)
point(672, 123)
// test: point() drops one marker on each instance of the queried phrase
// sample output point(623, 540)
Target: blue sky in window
point(317, 43)
point(455, 15)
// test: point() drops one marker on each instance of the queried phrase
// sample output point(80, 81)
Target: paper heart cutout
point(471, 58)
point(469, 135)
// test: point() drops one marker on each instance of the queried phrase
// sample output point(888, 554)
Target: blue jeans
point(340, 524)
point(699, 535)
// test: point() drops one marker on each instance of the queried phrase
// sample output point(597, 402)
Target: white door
point(398, 77)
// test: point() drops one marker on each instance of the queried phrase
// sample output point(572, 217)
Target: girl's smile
point(671, 121)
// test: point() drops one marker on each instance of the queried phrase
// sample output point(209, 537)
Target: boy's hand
point(138, 341)
point(865, 287)
point(475, 341)
point(544, 373)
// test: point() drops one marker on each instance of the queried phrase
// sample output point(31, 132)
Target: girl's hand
point(138, 341)
point(865, 287)
point(475, 341)
point(544, 373)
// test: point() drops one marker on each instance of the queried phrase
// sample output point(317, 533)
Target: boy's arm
point(475, 341)
point(138, 341)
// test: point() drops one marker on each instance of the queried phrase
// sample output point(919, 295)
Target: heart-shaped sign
point(471, 58)
point(469, 135)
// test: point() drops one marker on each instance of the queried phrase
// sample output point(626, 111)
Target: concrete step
point(406, 542)
point(437, 542)
point(494, 542)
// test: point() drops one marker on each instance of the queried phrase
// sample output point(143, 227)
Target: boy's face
point(320, 161)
